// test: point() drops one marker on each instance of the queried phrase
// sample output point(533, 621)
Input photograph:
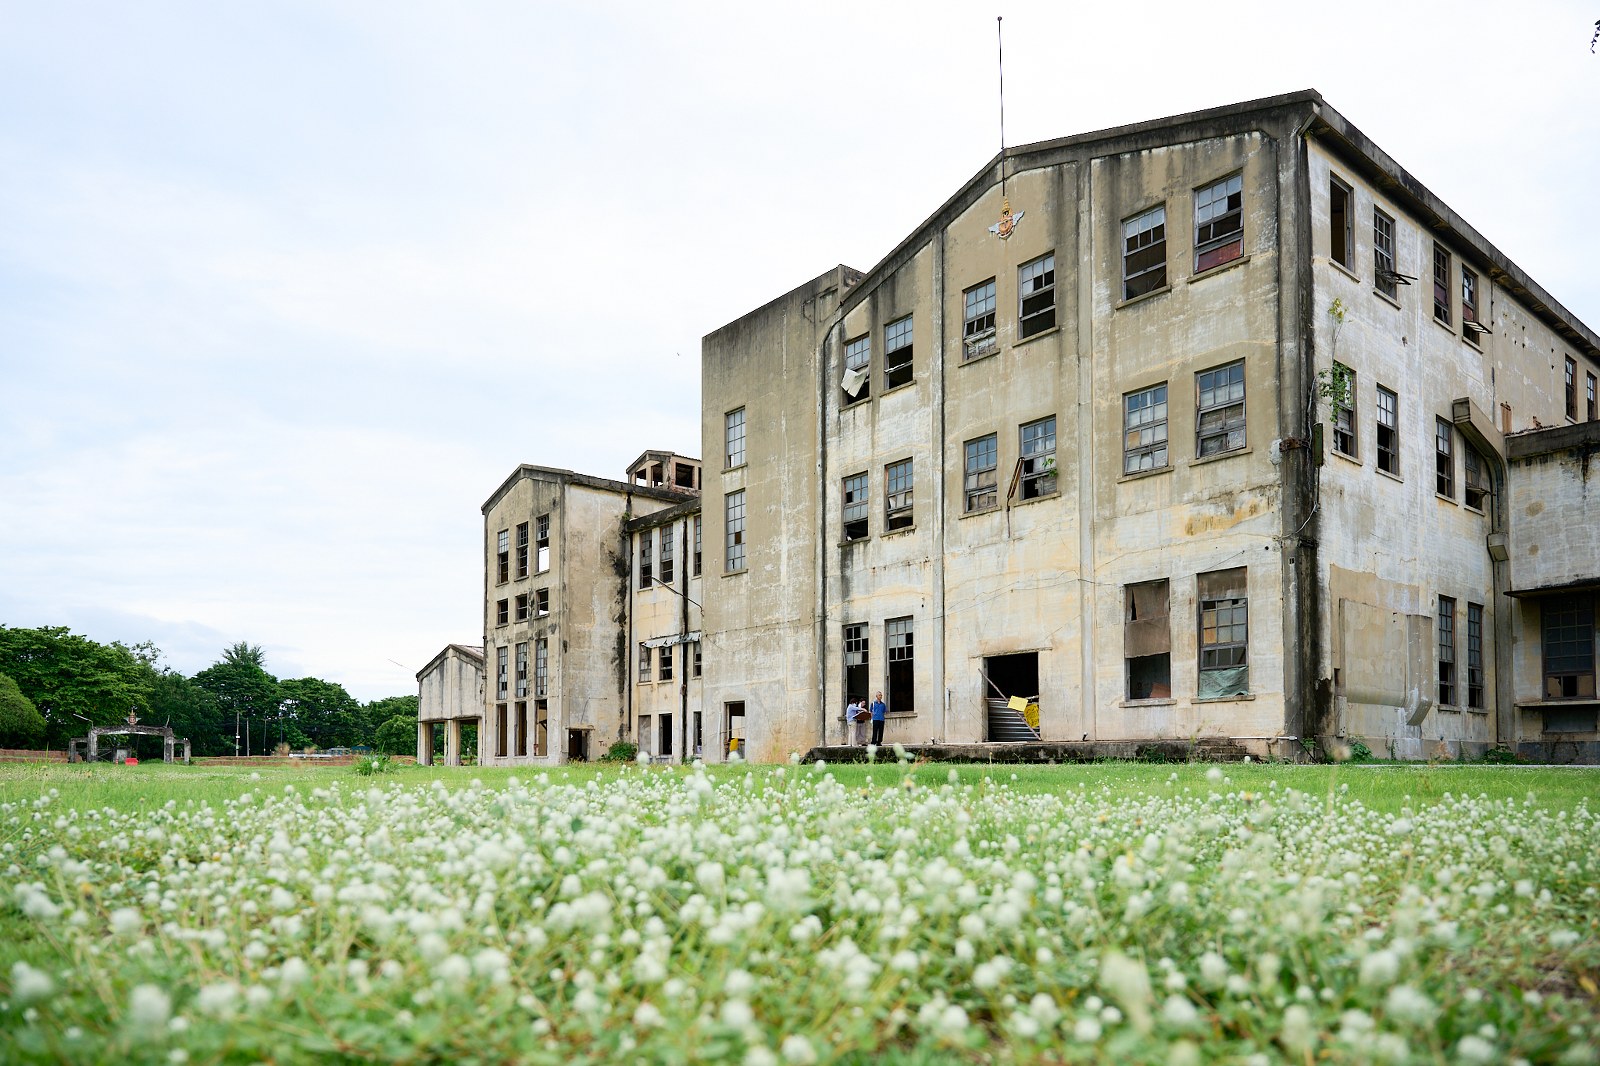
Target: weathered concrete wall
point(1555, 506)
point(761, 622)
point(452, 688)
point(667, 613)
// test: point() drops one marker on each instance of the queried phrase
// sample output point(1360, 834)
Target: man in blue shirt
point(879, 709)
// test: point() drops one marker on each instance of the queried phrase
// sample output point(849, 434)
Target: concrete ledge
point(1206, 749)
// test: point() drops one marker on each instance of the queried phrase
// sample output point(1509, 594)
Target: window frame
point(1469, 304)
point(520, 609)
point(1570, 371)
point(1392, 466)
point(733, 440)
point(1219, 246)
point(666, 565)
point(1346, 440)
point(699, 546)
point(647, 546)
point(1037, 462)
point(899, 506)
point(978, 320)
point(1036, 281)
point(733, 559)
point(1567, 622)
point(522, 550)
point(1139, 245)
point(900, 664)
point(541, 668)
point(1153, 434)
point(541, 603)
point(1445, 651)
point(1385, 274)
point(1475, 671)
point(541, 544)
point(898, 337)
point(664, 663)
point(858, 356)
point(502, 612)
point(1345, 234)
point(1222, 629)
point(1475, 487)
point(521, 677)
point(1229, 426)
point(978, 494)
point(1444, 459)
point(503, 557)
point(1441, 284)
point(855, 502)
point(646, 664)
point(1591, 400)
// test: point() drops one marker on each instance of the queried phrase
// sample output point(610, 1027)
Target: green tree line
point(55, 684)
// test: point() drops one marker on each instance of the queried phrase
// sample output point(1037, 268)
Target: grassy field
point(1149, 914)
point(1383, 786)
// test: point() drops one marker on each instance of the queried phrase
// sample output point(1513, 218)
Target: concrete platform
point(1209, 749)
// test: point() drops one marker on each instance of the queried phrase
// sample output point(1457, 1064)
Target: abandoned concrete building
point(1216, 426)
point(449, 698)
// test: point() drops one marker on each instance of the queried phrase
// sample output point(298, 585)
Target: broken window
point(857, 679)
point(1441, 283)
point(667, 560)
point(1593, 412)
point(1219, 223)
point(521, 728)
point(897, 353)
point(1447, 651)
point(734, 556)
point(647, 551)
point(502, 686)
point(977, 330)
point(1476, 481)
point(1572, 388)
point(1039, 458)
point(897, 499)
point(1037, 283)
point(503, 557)
point(735, 437)
point(683, 475)
point(665, 672)
point(522, 669)
point(1219, 413)
point(541, 727)
point(1341, 224)
point(502, 612)
point(1471, 328)
point(1475, 656)
point(1387, 280)
point(500, 729)
point(982, 461)
point(1344, 410)
point(1147, 641)
point(1568, 623)
point(902, 675)
point(857, 369)
point(1388, 431)
point(522, 550)
point(541, 668)
point(1144, 252)
point(542, 544)
point(696, 664)
point(1224, 634)
point(522, 607)
point(855, 507)
point(1444, 459)
point(541, 603)
point(644, 662)
point(699, 533)
point(1144, 429)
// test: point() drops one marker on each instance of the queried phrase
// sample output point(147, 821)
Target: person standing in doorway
point(879, 709)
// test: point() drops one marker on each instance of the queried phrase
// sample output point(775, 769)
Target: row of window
point(1450, 689)
point(539, 550)
point(899, 680)
point(529, 605)
point(655, 664)
point(661, 569)
point(541, 669)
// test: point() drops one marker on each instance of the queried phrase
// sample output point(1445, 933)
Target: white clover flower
point(148, 1007)
point(218, 1000)
point(1214, 774)
point(738, 984)
point(1562, 939)
point(257, 997)
point(797, 1050)
point(1409, 1005)
point(647, 1016)
point(1178, 1011)
point(29, 985)
point(904, 962)
point(1087, 1030)
point(452, 970)
point(1297, 1033)
point(1213, 969)
point(587, 1002)
point(1380, 969)
point(760, 1055)
point(126, 921)
point(736, 1014)
point(293, 972)
point(1475, 1051)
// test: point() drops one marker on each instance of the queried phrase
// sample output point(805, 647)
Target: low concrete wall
point(285, 760)
point(1560, 752)
point(20, 755)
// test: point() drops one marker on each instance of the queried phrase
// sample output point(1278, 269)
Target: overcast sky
point(288, 289)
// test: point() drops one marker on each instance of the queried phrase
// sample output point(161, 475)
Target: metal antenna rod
point(1000, 46)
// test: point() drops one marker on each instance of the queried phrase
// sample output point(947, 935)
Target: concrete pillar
point(94, 744)
point(166, 748)
point(186, 757)
point(452, 742)
point(424, 743)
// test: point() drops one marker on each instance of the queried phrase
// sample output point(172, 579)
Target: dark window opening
point(522, 728)
point(503, 557)
point(855, 507)
point(734, 712)
point(1447, 651)
point(1388, 431)
point(1012, 675)
point(1568, 640)
point(1144, 253)
point(1344, 411)
point(902, 666)
point(1037, 282)
point(500, 737)
point(1219, 223)
point(667, 569)
point(857, 369)
point(1147, 641)
point(502, 612)
point(1441, 284)
point(897, 349)
point(857, 680)
point(1475, 656)
point(646, 554)
point(664, 724)
point(1444, 460)
point(1341, 233)
point(1039, 458)
point(977, 330)
point(898, 505)
point(1476, 482)
point(522, 550)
